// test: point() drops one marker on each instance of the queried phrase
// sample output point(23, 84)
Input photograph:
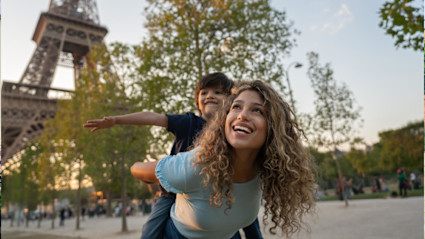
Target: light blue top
point(192, 213)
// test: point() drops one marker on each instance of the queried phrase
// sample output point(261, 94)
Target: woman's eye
point(235, 107)
point(218, 92)
point(258, 111)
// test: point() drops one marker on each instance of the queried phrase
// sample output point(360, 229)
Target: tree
point(67, 148)
point(404, 22)
point(336, 116)
point(49, 167)
point(403, 147)
point(30, 189)
point(106, 90)
point(188, 39)
point(20, 180)
point(105, 156)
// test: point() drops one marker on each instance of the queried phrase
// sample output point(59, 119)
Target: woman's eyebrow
point(242, 101)
point(259, 104)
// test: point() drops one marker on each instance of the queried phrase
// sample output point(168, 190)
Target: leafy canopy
point(402, 20)
point(187, 39)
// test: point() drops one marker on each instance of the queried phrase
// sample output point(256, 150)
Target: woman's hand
point(106, 122)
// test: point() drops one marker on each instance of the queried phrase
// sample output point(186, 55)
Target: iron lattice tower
point(66, 32)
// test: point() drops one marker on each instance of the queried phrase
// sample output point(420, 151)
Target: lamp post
point(291, 97)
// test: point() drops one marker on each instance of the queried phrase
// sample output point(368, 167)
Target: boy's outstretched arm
point(139, 118)
point(145, 171)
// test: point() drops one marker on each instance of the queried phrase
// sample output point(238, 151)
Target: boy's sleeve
point(177, 174)
point(177, 124)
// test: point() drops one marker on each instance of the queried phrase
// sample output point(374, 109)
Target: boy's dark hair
point(212, 80)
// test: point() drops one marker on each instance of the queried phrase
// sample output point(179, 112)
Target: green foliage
point(103, 88)
point(336, 116)
point(403, 147)
point(327, 168)
point(367, 163)
point(188, 39)
point(20, 180)
point(326, 171)
point(404, 22)
point(106, 91)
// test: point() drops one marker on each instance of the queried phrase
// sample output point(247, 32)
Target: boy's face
point(210, 99)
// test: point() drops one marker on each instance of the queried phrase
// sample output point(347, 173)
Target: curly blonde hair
point(284, 165)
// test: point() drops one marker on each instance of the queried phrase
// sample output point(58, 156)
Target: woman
point(252, 150)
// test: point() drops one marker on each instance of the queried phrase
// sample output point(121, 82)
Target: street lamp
point(291, 97)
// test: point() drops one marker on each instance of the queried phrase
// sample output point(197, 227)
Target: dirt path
point(363, 219)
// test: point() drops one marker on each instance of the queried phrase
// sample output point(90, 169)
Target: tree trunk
point(108, 204)
point(123, 198)
point(19, 216)
point(12, 218)
point(27, 219)
point(78, 201)
point(341, 182)
point(53, 212)
point(40, 216)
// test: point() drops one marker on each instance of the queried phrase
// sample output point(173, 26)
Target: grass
point(410, 193)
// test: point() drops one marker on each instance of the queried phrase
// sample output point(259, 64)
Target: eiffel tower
point(66, 32)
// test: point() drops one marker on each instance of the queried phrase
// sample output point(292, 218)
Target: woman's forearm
point(145, 171)
point(142, 118)
point(139, 118)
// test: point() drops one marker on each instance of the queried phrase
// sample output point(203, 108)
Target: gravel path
point(363, 219)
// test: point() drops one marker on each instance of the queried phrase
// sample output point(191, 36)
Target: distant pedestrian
point(378, 184)
point(83, 212)
point(70, 213)
point(402, 181)
point(414, 181)
point(383, 185)
point(347, 185)
point(62, 217)
point(117, 211)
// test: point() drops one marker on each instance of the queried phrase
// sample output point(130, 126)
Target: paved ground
point(363, 219)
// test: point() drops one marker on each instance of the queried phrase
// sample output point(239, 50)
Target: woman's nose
point(243, 115)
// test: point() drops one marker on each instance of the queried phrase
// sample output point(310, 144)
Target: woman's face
point(246, 124)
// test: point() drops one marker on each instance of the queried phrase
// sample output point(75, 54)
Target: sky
point(386, 82)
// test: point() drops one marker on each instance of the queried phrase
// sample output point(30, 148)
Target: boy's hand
point(106, 122)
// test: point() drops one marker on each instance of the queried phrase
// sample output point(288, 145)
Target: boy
point(210, 92)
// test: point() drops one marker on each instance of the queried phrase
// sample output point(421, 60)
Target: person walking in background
point(413, 181)
point(347, 186)
point(383, 184)
point(339, 190)
point(62, 217)
point(402, 187)
point(378, 184)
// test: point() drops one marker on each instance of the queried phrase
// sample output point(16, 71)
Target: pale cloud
point(334, 22)
point(343, 11)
